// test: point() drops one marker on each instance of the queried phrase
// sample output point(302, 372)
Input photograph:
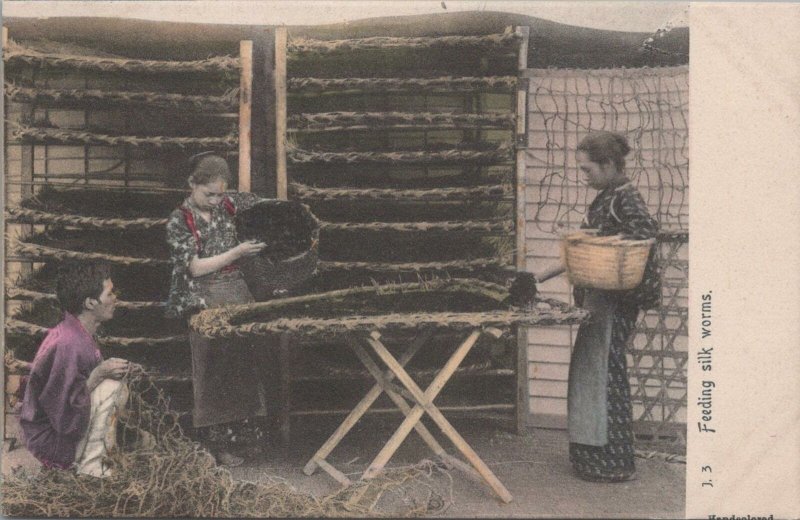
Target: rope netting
point(499, 154)
point(492, 192)
point(22, 132)
point(649, 106)
point(228, 102)
point(497, 226)
point(475, 264)
point(38, 252)
point(19, 327)
point(16, 55)
point(18, 293)
point(444, 84)
point(337, 121)
point(157, 471)
point(33, 216)
point(487, 42)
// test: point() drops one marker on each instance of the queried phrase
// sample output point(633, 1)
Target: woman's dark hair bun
point(625, 148)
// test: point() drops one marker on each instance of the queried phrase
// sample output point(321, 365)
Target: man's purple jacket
point(57, 404)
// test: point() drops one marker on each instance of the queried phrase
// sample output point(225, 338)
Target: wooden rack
point(294, 125)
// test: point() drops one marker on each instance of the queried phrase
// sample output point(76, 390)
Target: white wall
point(650, 106)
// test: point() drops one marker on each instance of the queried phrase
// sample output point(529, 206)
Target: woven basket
point(268, 277)
point(608, 262)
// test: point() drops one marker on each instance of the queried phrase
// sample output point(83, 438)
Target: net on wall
point(648, 106)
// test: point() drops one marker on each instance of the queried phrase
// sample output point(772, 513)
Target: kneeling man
point(73, 396)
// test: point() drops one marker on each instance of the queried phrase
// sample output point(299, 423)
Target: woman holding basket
point(204, 252)
point(599, 402)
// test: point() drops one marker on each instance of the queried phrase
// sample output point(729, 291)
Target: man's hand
point(111, 368)
point(114, 368)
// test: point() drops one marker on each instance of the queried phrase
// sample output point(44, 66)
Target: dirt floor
point(534, 468)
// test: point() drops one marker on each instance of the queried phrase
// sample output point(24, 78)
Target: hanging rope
point(228, 102)
point(412, 267)
point(299, 46)
point(33, 216)
point(14, 326)
point(37, 252)
point(300, 156)
point(18, 293)
point(335, 121)
point(305, 192)
point(17, 55)
point(446, 84)
point(21, 132)
point(499, 226)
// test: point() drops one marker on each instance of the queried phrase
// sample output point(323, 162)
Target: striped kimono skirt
point(225, 374)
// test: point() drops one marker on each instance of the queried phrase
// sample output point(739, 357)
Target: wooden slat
point(523, 395)
point(245, 113)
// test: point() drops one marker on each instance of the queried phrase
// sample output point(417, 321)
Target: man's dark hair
point(78, 281)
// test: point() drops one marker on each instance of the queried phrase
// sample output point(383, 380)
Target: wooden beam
point(245, 113)
point(521, 143)
point(280, 112)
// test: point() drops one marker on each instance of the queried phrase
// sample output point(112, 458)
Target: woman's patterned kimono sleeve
point(631, 213)
point(183, 295)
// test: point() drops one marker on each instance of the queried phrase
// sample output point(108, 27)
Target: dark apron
point(225, 376)
point(588, 372)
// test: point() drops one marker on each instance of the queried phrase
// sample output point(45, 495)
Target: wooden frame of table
point(421, 403)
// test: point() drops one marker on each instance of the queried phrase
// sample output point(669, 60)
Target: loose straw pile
point(175, 477)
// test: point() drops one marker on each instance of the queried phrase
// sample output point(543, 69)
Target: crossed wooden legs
point(423, 403)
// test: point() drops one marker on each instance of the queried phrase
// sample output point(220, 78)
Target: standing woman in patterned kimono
point(204, 252)
point(599, 402)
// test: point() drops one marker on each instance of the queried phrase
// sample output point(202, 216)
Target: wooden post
point(280, 112)
point(521, 144)
point(5, 275)
point(245, 113)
